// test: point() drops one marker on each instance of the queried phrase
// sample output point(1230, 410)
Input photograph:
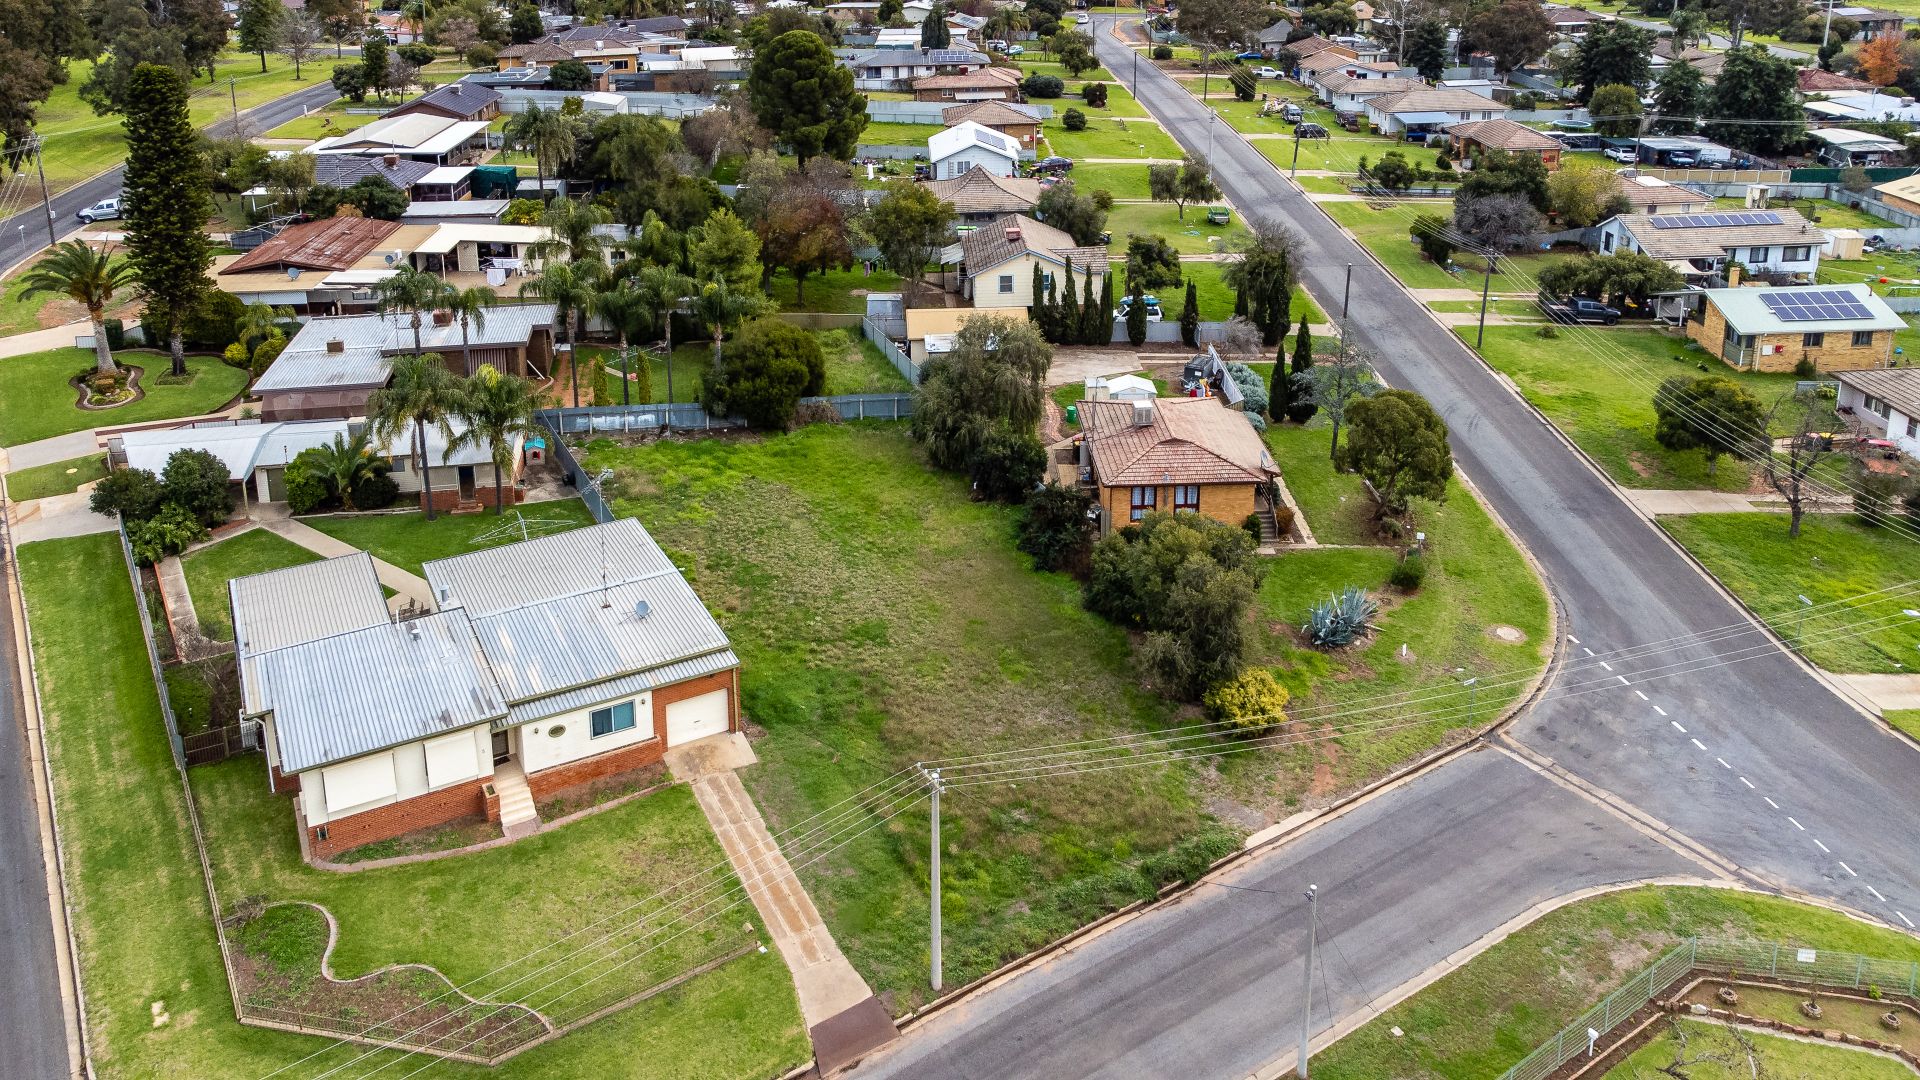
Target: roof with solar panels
point(1687, 236)
point(1814, 309)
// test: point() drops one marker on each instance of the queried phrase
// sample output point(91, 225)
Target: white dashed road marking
point(1849, 870)
point(1642, 694)
point(1876, 894)
point(1660, 710)
point(1746, 781)
point(1576, 641)
point(1821, 846)
point(1606, 665)
point(1723, 763)
point(1677, 727)
point(1771, 803)
point(1904, 919)
point(1796, 824)
point(1698, 743)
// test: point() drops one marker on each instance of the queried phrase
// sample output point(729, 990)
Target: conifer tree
point(167, 203)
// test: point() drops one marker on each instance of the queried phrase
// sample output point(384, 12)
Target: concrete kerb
point(73, 1002)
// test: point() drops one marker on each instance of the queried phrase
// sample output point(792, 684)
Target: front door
point(466, 481)
point(501, 751)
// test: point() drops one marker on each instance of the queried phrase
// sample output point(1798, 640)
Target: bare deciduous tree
point(1807, 422)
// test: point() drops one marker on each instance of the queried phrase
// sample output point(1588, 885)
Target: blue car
point(1249, 56)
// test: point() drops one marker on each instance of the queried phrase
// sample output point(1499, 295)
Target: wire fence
point(871, 329)
point(1840, 970)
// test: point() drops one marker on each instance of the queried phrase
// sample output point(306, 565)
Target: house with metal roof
point(1777, 243)
point(998, 261)
point(1884, 403)
point(458, 100)
point(895, 69)
point(966, 146)
point(544, 665)
point(1652, 195)
point(1835, 327)
point(427, 137)
point(980, 84)
point(1184, 455)
point(1430, 110)
point(1844, 147)
point(1019, 122)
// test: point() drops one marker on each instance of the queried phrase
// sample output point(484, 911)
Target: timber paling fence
point(1840, 970)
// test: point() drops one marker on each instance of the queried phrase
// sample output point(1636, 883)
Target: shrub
point(415, 53)
point(1253, 526)
point(116, 335)
point(1163, 52)
point(375, 492)
point(1042, 86)
point(1806, 369)
point(1250, 701)
point(265, 353)
point(1254, 389)
point(1102, 199)
point(1546, 332)
point(1057, 529)
point(165, 533)
point(1341, 619)
point(481, 54)
point(1189, 582)
point(196, 481)
point(815, 412)
point(305, 491)
point(769, 365)
point(1411, 571)
point(1095, 95)
point(1074, 120)
point(211, 323)
point(1283, 518)
point(1190, 859)
point(1879, 497)
point(523, 212)
point(1258, 420)
point(134, 494)
point(235, 355)
point(1008, 465)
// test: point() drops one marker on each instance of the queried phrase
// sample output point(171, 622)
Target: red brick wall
point(547, 781)
point(728, 680)
point(446, 498)
point(282, 782)
point(419, 812)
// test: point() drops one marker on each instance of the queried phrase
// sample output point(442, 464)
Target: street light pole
point(46, 200)
point(1293, 171)
point(1486, 287)
point(1306, 997)
point(1345, 295)
point(933, 781)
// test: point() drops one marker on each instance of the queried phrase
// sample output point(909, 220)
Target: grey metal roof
point(300, 603)
point(614, 689)
point(558, 564)
point(341, 170)
point(369, 341)
point(466, 100)
point(354, 693)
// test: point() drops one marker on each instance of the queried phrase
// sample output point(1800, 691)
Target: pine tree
point(1239, 304)
point(1089, 312)
point(1301, 407)
point(1190, 318)
point(1137, 317)
point(167, 202)
point(1039, 311)
point(1105, 335)
point(1280, 397)
point(1068, 319)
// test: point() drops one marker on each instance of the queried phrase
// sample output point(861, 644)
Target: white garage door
point(696, 717)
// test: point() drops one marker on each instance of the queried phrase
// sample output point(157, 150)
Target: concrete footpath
point(406, 583)
point(57, 516)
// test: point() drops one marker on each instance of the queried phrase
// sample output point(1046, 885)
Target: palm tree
point(570, 231)
point(259, 322)
point(627, 311)
point(344, 464)
point(547, 135)
point(421, 392)
point(662, 288)
point(722, 307)
point(412, 291)
point(569, 288)
point(469, 306)
point(88, 277)
point(496, 409)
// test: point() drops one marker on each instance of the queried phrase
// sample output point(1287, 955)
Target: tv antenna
point(518, 526)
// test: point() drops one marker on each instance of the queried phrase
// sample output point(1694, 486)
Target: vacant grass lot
point(1836, 559)
point(1189, 236)
point(689, 363)
point(55, 477)
point(1341, 152)
point(1778, 1055)
point(408, 540)
point(1483, 1017)
point(1120, 181)
point(157, 1000)
point(854, 366)
point(899, 134)
point(1597, 386)
point(1388, 235)
point(208, 570)
point(327, 121)
point(1899, 268)
point(843, 291)
point(36, 402)
point(1110, 138)
point(1216, 298)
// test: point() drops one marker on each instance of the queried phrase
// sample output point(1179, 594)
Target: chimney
point(442, 317)
point(335, 345)
point(1733, 276)
point(392, 160)
point(1013, 232)
point(1143, 414)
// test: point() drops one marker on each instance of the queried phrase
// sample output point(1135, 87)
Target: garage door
point(696, 717)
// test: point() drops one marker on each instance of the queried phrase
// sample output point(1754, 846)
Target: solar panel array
point(952, 56)
point(995, 139)
point(1814, 305)
point(1703, 221)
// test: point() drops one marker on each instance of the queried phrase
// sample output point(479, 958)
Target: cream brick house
point(1836, 327)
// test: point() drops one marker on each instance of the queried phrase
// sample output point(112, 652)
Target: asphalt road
point(30, 1011)
point(1756, 759)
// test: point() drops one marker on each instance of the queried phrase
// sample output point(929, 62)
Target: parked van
point(1292, 113)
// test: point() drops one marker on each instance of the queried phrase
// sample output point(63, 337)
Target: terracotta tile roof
point(1326, 60)
point(329, 244)
point(1190, 441)
point(973, 80)
point(1812, 78)
point(1640, 193)
point(1503, 135)
point(990, 245)
point(1310, 46)
point(978, 191)
point(990, 113)
point(537, 52)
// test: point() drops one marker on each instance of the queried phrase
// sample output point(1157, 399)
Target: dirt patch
point(1512, 635)
point(572, 800)
point(1324, 782)
point(1643, 464)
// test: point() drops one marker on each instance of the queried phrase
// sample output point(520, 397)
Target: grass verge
point(55, 477)
point(36, 402)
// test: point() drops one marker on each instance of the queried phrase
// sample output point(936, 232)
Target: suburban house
point(332, 267)
point(271, 273)
point(853, 11)
point(1274, 38)
point(967, 146)
point(428, 137)
point(345, 170)
point(894, 69)
point(1018, 122)
point(979, 196)
point(1874, 23)
point(1902, 194)
point(1885, 402)
point(1837, 327)
point(1186, 455)
point(1573, 22)
point(981, 84)
point(997, 262)
point(1313, 65)
point(455, 101)
point(1427, 111)
point(1812, 80)
point(1843, 147)
point(333, 365)
point(1350, 94)
point(1652, 195)
point(1773, 242)
point(544, 665)
point(1477, 138)
point(1356, 70)
point(257, 453)
point(1847, 106)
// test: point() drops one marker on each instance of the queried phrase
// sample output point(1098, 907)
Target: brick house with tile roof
point(1478, 138)
point(1185, 455)
point(979, 197)
point(1010, 120)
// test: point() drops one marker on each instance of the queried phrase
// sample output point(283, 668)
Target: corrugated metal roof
point(613, 689)
point(297, 604)
point(559, 564)
point(351, 694)
point(367, 342)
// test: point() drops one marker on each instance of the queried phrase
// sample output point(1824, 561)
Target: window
point(1606, 241)
point(613, 718)
point(1862, 338)
point(1186, 499)
point(1759, 255)
point(1006, 283)
point(1813, 341)
point(1798, 253)
point(1144, 500)
point(1913, 428)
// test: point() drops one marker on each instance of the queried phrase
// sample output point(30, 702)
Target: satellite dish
point(642, 609)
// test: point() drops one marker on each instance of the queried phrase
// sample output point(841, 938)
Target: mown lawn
point(157, 1000)
point(55, 477)
point(1120, 181)
point(326, 121)
point(1216, 298)
point(1136, 140)
point(899, 134)
point(1836, 560)
point(1597, 386)
point(1899, 268)
point(842, 291)
point(208, 570)
point(1907, 720)
point(689, 364)
point(1191, 236)
point(1388, 234)
point(1778, 1055)
point(854, 366)
point(408, 540)
point(1341, 152)
point(36, 402)
point(1482, 1018)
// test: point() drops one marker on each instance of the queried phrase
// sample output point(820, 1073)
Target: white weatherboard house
point(968, 145)
point(1886, 404)
point(1763, 241)
point(545, 664)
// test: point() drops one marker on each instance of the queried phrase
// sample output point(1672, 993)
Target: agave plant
point(1340, 619)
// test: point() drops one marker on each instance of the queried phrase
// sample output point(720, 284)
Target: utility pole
point(233, 95)
point(1345, 295)
point(1486, 287)
point(933, 782)
point(1306, 999)
point(46, 200)
point(1293, 171)
point(1827, 27)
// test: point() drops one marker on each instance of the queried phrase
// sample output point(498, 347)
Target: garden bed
point(92, 399)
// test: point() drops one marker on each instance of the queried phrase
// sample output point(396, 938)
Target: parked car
point(996, 45)
point(1249, 56)
point(1309, 131)
point(1083, 19)
point(1579, 309)
point(1151, 302)
point(104, 210)
point(1681, 160)
point(1267, 72)
point(1623, 155)
point(1053, 164)
point(1016, 50)
point(1292, 113)
point(1219, 215)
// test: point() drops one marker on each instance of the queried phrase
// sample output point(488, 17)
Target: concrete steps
point(518, 816)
